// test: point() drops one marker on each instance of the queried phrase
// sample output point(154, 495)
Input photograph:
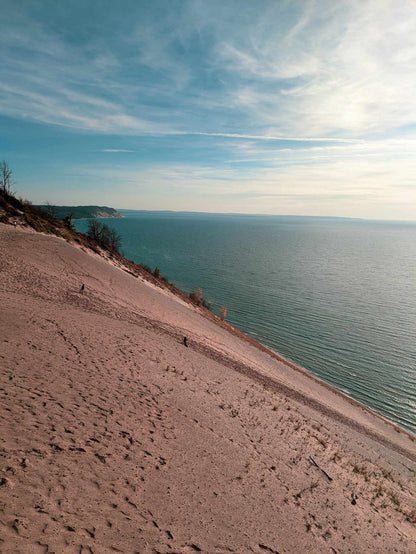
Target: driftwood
point(323, 471)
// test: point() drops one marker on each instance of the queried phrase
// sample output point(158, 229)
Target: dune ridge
point(119, 438)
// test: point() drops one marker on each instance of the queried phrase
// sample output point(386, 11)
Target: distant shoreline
point(80, 212)
point(282, 216)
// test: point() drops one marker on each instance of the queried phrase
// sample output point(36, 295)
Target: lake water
point(337, 297)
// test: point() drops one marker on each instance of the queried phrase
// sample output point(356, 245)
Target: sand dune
point(117, 438)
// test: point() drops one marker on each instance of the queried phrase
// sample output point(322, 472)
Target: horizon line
point(266, 215)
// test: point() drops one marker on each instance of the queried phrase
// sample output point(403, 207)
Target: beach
point(119, 438)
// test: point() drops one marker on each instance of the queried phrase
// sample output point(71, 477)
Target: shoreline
point(274, 384)
point(323, 383)
point(122, 263)
point(208, 314)
point(385, 395)
point(120, 437)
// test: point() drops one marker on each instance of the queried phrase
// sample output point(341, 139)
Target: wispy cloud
point(289, 97)
point(294, 69)
point(116, 150)
point(347, 180)
point(348, 72)
point(268, 137)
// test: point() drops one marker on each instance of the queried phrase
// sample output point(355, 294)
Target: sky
point(294, 107)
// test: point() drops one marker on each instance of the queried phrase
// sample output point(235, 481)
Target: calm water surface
point(338, 297)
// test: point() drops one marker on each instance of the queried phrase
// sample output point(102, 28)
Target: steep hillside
point(116, 437)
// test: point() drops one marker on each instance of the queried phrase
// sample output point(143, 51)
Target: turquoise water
point(336, 296)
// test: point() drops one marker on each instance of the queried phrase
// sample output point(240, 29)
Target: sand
point(118, 438)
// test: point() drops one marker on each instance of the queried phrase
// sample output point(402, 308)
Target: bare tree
point(50, 209)
point(105, 236)
point(6, 181)
point(114, 240)
point(94, 231)
point(68, 221)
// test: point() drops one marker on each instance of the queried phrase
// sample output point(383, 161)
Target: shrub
point(68, 222)
point(223, 313)
point(198, 299)
point(196, 296)
point(106, 237)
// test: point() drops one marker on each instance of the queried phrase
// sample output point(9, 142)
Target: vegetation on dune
point(104, 235)
point(6, 181)
point(23, 212)
point(99, 237)
point(198, 299)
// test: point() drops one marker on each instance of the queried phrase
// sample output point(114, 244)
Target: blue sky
point(281, 107)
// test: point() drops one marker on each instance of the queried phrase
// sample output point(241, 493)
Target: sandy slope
point(117, 438)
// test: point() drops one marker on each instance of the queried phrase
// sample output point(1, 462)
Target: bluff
point(80, 212)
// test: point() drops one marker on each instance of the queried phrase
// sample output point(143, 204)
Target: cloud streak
point(288, 70)
point(287, 97)
point(352, 180)
point(116, 150)
point(269, 137)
